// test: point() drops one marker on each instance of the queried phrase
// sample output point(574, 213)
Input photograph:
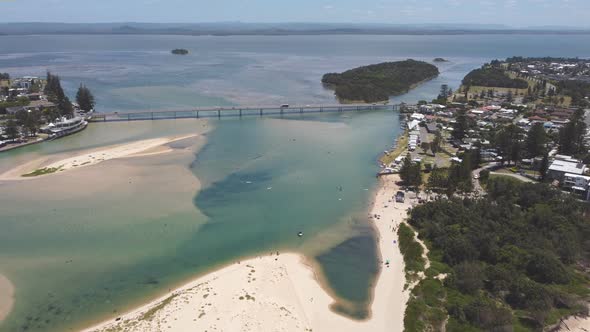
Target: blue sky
point(510, 12)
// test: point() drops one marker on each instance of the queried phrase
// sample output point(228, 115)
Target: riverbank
point(6, 297)
point(280, 292)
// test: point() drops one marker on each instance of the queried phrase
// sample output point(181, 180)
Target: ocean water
point(83, 246)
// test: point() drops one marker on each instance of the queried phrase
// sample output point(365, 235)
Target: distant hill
point(239, 28)
point(376, 83)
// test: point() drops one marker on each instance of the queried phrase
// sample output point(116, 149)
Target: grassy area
point(149, 315)
point(401, 146)
point(507, 177)
point(426, 310)
point(411, 250)
point(42, 171)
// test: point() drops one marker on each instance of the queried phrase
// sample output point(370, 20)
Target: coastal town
point(33, 110)
point(501, 131)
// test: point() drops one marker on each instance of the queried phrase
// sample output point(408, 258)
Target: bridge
point(219, 112)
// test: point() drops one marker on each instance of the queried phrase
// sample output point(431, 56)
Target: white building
point(577, 184)
point(563, 165)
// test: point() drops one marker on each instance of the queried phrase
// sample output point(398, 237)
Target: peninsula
point(376, 83)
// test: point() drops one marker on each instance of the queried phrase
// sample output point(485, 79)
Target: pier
point(220, 112)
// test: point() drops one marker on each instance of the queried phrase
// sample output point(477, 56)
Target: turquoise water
point(79, 254)
point(90, 244)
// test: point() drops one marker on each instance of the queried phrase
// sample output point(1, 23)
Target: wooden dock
point(237, 112)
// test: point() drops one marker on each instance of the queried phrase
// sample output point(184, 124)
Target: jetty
point(220, 112)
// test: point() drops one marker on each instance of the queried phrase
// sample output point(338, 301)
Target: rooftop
point(567, 167)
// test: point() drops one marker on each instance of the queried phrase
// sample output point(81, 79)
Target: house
point(578, 184)
point(24, 83)
point(417, 116)
point(563, 165)
point(536, 118)
point(413, 124)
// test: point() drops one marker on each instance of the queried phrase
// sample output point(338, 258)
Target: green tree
point(544, 166)
point(411, 172)
point(56, 94)
point(438, 178)
point(435, 145)
point(536, 140)
point(11, 129)
point(461, 125)
point(507, 141)
point(444, 92)
point(571, 136)
point(84, 98)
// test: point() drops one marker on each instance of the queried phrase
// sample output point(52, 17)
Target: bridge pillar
point(152, 115)
point(175, 114)
point(240, 112)
point(197, 114)
point(301, 110)
point(281, 111)
point(321, 109)
point(261, 112)
point(219, 114)
point(128, 116)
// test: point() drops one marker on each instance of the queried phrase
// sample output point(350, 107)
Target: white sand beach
point(278, 292)
point(134, 149)
point(575, 324)
point(6, 297)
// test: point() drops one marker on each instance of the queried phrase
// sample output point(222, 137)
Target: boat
point(64, 127)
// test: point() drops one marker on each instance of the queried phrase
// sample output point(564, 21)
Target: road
point(477, 187)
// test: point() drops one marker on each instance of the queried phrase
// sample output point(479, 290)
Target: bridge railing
point(235, 112)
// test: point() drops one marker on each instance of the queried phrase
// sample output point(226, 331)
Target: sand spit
point(134, 149)
point(6, 297)
point(278, 292)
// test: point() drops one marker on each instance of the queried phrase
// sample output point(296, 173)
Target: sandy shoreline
point(134, 149)
point(575, 324)
point(6, 297)
point(278, 292)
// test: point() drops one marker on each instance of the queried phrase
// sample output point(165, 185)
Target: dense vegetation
point(180, 51)
point(378, 82)
point(512, 259)
point(4, 76)
point(516, 59)
point(493, 77)
point(578, 90)
point(56, 94)
point(84, 98)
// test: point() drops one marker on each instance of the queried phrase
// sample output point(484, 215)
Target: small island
point(376, 83)
point(440, 60)
point(180, 51)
